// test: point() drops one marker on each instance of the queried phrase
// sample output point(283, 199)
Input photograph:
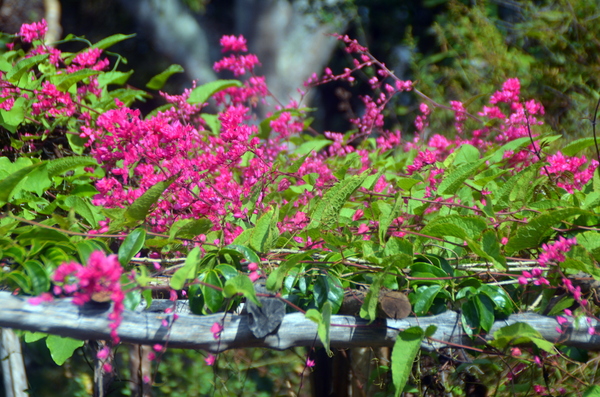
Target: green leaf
point(64, 164)
point(592, 391)
point(141, 206)
point(532, 234)
point(265, 232)
point(470, 317)
point(368, 310)
point(386, 219)
point(157, 82)
point(112, 40)
point(42, 234)
point(324, 327)
point(84, 208)
point(22, 282)
point(23, 66)
point(61, 348)
point(275, 280)
point(491, 246)
point(213, 298)
point(85, 249)
point(577, 146)
point(132, 244)
point(205, 91)
point(485, 309)
point(312, 146)
point(133, 298)
point(241, 284)
point(248, 253)
point(519, 333)
point(114, 77)
point(64, 81)
point(212, 122)
point(406, 347)
point(424, 298)
point(327, 288)
point(31, 337)
point(8, 184)
point(40, 280)
point(323, 320)
point(292, 169)
point(12, 118)
point(190, 228)
point(455, 179)
point(188, 271)
point(327, 211)
point(196, 299)
point(502, 301)
point(466, 154)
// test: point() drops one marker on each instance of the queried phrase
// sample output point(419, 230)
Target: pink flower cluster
point(570, 173)
point(555, 252)
point(53, 103)
point(33, 31)
point(139, 152)
point(98, 280)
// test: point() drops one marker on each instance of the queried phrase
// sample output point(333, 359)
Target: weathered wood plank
point(190, 331)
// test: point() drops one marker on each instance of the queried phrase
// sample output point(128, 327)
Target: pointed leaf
point(132, 244)
point(455, 179)
point(327, 211)
point(64, 81)
point(406, 347)
point(532, 234)
point(158, 81)
point(8, 184)
point(241, 284)
point(64, 164)
point(141, 206)
point(205, 91)
point(61, 348)
point(112, 40)
point(23, 66)
point(188, 271)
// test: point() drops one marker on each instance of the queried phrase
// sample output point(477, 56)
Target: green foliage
point(448, 233)
point(550, 46)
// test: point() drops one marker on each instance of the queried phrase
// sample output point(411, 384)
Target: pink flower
point(103, 353)
point(561, 320)
point(36, 300)
point(216, 330)
point(210, 360)
point(357, 215)
point(107, 368)
point(33, 31)
point(151, 356)
point(99, 280)
point(254, 276)
point(363, 228)
point(253, 266)
point(146, 379)
point(515, 352)
point(232, 43)
point(157, 347)
point(310, 363)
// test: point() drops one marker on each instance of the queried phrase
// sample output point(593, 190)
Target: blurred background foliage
point(455, 50)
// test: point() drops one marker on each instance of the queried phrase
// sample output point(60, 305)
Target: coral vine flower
point(99, 281)
point(33, 31)
point(232, 43)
